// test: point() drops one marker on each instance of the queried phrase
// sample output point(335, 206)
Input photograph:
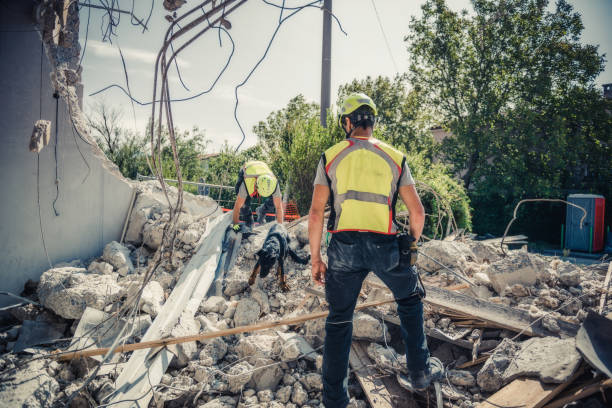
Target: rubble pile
point(281, 366)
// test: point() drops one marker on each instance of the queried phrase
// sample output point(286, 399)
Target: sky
point(292, 65)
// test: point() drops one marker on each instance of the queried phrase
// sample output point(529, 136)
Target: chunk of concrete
point(256, 347)
point(247, 312)
point(461, 377)
point(551, 359)
point(235, 286)
point(569, 274)
point(102, 268)
point(184, 352)
point(448, 253)
point(30, 386)
point(213, 351)
point(369, 328)
point(491, 376)
point(69, 291)
point(239, 376)
point(266, 378)
point(517, 268)
point(312, 382)
point(213, 304)
point(118, 256)
point(261, 298)
point(387, 358)
point(294, 346)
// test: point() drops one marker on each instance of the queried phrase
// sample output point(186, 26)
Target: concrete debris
point(118, 256)
point(386, 358)
point(491, 376)
point(29, 386)
point(184, 352)
point(551, 359)
point(101, 268)
point(508, 271)
point(239, 375)
point(281, 367)
point(213, 304)
point(461, 377)
point(151, 299)
point(40, 135)
point(448, 253)
point(370, 328)
point(247, 312)
point(69, 291)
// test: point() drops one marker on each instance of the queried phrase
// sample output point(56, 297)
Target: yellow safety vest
point(252, 170)
point(364, 176)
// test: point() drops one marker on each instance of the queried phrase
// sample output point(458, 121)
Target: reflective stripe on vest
point(252, 170)
point(364, 175)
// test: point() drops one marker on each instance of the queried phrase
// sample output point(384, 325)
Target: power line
point(278, 26)
point(384, 36)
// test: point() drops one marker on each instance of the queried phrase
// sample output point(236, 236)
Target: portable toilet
point(589, 238)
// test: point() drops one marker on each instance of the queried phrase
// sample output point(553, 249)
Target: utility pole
point(326, 61)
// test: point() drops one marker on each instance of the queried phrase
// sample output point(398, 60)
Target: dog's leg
point(253, 276)
point(282, 280)
point(296, 257)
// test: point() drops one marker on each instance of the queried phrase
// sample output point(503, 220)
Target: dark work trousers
point(266, 208)
point(246, 214)
point(351, 256)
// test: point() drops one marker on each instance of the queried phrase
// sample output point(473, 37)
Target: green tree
point(131, 151)
point(514, 85)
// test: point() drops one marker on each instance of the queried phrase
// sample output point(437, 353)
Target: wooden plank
point(144, 345)
point(606, 287)
point(502, 316)
point(435, 333)
point(527, 393)
point(581, 392)
point(479, 360)
point(523, 392)
point(372, 385)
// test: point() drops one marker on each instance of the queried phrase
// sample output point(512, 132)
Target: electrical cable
point(178, 71)
point(382, 30)
point(179, 99)
point(56, 96)
point(278, 26)
point(86, 35)
point(127, 81)
point(42, 233)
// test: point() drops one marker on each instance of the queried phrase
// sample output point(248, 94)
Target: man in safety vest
point(361, 178)
point(256, 178)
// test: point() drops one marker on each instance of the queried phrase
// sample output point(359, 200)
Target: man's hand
point(237, 227)
point(318, 271)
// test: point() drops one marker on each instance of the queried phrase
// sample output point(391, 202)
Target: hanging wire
point(278, 26)
point(382, 30)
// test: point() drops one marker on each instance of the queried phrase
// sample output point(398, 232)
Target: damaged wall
point(92, 196)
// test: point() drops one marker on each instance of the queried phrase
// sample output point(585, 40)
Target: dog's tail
point(298, 258)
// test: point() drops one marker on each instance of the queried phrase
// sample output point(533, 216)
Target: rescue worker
point(256, 178)
point(361, 178)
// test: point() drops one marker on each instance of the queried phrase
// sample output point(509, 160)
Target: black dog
point(275, 249)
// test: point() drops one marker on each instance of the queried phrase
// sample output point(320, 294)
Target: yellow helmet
point(266, 184)
point(353, 102)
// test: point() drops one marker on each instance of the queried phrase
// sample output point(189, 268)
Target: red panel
point(598, 225)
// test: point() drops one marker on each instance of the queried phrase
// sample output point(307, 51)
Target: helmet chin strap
point(349, 133)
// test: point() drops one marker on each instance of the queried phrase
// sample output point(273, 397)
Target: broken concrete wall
point(91, 198)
